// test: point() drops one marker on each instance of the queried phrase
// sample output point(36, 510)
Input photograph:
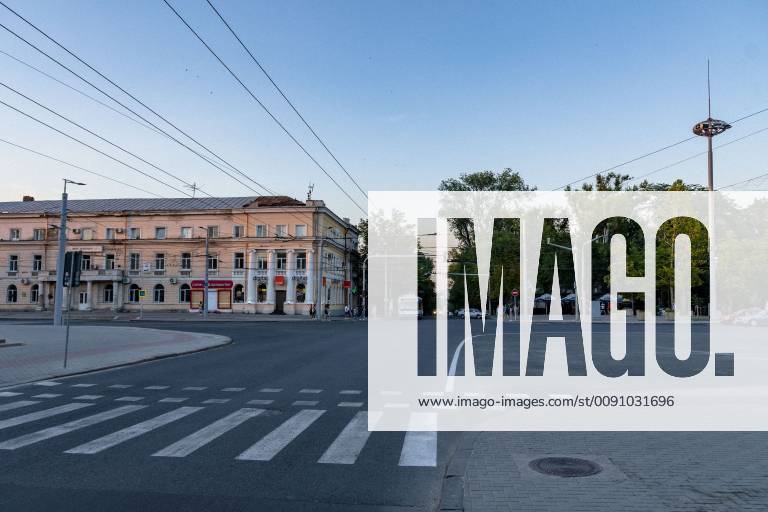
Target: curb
point(452, 492)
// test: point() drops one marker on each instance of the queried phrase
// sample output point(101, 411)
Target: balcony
point(238, 273)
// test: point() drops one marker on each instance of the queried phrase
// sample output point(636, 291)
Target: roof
point(147, 204)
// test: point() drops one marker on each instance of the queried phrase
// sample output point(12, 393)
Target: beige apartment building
point(267, 254)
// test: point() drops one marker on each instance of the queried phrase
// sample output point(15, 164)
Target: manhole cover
point(566, 467)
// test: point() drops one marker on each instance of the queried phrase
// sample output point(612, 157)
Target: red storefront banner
point(212, 283)
point(279, 279)
point(347, 284)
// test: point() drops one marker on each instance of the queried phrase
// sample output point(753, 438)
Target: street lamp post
point(205, 282)
point(59, 292)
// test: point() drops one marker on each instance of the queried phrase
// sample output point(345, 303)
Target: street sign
point(212, 283)
point(142, 294)
point(347, 284)
point(515, 293)
point(72, 263)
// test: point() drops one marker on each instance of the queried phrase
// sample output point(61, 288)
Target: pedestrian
point(327, 311)
point(312, 311)
point(346, 311)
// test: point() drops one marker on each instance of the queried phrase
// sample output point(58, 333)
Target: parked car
point(473, 313)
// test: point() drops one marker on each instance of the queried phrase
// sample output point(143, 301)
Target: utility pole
point(59, 292)
point(205, 285)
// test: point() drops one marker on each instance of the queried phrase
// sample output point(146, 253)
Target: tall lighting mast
point(709, 128)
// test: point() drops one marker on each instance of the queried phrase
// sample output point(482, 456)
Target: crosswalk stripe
point(15, 405)
point(133, 431)
point(34, 416)
point(195, 388)
point(420, 447)
point(83, 385)
point(66, 428)
point(47, 395)
point(9, 393)
point(271, 444)
point(120, 386)
point(348, 445)
point(207, 434)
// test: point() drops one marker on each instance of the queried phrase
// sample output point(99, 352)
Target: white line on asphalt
point(9, 393)
point(157, 387)
point(195, 388)
point(348, 445)
point(83, 385)
point(88, 397)
point(350, 404)
point(216, 401)
point(261, 402)
point(350, 392)
point(310, 403)
point(232, 390)
point(129, 399)
point(34, 416)
point(173, 400)
point(205, 435)
point(47, 395)
point(131, 432)
point(271, 444)
point(270, 390)
point(66, 428)
point(420, 447)
point(15, 405)
point(311, 391)
point(47, 383)
point(120, 386)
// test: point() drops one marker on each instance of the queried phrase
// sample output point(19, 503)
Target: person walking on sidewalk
point(327, 311)
point(312, 311)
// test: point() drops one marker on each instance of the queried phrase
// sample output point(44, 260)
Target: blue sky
point(405, 93)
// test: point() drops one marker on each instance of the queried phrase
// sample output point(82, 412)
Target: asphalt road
point(292, 370)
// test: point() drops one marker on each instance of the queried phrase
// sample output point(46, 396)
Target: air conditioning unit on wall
point(173, 280)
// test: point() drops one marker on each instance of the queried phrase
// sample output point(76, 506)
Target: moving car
point(473, 313)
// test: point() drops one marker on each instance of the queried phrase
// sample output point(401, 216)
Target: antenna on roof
point(309, 191)
point(193, 187)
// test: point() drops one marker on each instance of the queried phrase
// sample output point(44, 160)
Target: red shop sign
point(279, 279)
point(212, 283)
point(347, 284)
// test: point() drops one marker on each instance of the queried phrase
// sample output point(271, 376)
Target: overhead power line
point(269, 77)
point(761, 176)
point(264, 107)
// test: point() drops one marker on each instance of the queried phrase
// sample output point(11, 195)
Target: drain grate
point(565, 467)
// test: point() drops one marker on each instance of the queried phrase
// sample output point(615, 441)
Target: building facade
point(266, 254)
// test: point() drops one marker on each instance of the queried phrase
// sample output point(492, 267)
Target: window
point(160, 233)
point(11, 295)
point(86, 234)
point(282, 261)
point(186, 232)
point(15, 234)
point(184, 293)
point(158, 293)
point(134, 233)
point(238, 231)
point(34, 294)
point(109, 234)
point(261, 293)
point(301, 293)
point(13, 263)
point(109, 293)
point(261, 230)
point(261, 261)
point(239, 294)
point(301, 261)
point(37, 263)
point(239, 261)
point(186, 261)
point(281, 230)
point(85, 262)
point(109, 262)
point(213, 262)
point(160, 261)
point(301, 230)
point(134, 261)
point(213, 231)
point(133, 293)
point(38, 234)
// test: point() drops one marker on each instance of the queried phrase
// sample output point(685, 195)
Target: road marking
point(34, 416)
point(15, 405)
point(420, 447)
point(350, 392)
point(47, 395)
point(47, 383)
point(129, 399)
point(83, 385)
point(157, 387)
point(66, 428)
point(348, 445)
point(216, 401)
point(232, 390)
point(270, 390)
point(350, 404)
point(271, 444)
point(115, 438)
point(310, 403)
point(88, 397)
point(120, 386)
point(195, 388)
point(173, 400)
point(207, 434)
point(9, 393)
point(311, 391)
point(260, 402)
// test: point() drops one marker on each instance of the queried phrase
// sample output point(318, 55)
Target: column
point(271, 264)
point(115, 295)
point(250, 286)
point(289, 277)
point(44, 294)
point(310, 277)
point(89, 293)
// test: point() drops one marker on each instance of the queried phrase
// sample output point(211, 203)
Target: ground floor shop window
point(184, 293)
point(238, 294)
point(261, 293)
point(301, 292)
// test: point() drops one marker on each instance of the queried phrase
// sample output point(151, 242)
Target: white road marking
point(195, 388)
point(83, 385)
point(47, 383)
point(207, 434)
point(260, 402)
point(173, 400)
point(311, 391)
point(15, 405)
point(88, 397)
point(66, 428)
point(120, 386)
point(270, 390)
point(115, 438)
point(348, 445)
point(232, 390)
point(350, 392)
point(310, 403)
point(157, 387)
point(129, 399)
point(9, 393)
point(350, 404)
point(271, 444)
point(34, 416)
point(420, 447)
point(47, 395)
point(216, 401)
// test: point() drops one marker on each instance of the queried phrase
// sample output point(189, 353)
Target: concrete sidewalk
point(36, 352)
point(168, 316)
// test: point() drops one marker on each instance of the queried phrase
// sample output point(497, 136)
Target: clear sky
point(404, 93)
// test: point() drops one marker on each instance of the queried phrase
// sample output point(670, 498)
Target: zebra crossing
point(419, 448)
